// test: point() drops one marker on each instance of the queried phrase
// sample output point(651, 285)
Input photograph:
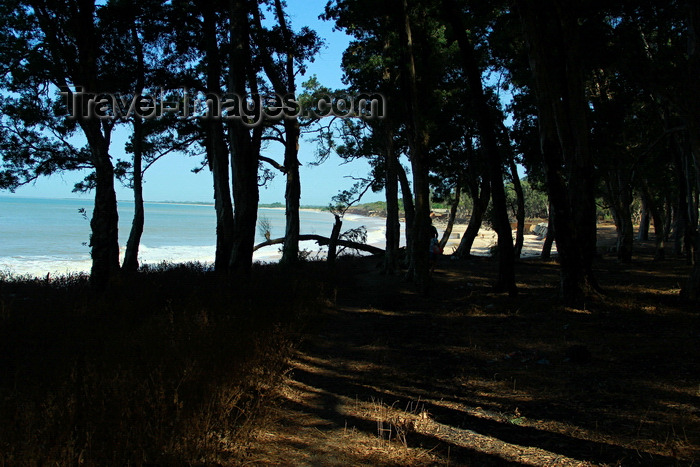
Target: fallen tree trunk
point(321, 240)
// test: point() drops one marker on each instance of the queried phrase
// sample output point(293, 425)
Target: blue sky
point(171, 178)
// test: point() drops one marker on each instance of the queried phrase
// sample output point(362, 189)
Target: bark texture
point(555, 62)
point(244, 142)
point(391, 189)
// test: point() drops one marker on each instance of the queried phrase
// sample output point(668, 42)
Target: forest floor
point(387, 376)
point(178, 365)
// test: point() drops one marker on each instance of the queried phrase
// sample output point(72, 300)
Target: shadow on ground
point(468, 377)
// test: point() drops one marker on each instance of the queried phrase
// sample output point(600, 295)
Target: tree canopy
point(596, 102)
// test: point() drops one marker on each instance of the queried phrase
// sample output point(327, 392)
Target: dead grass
point(499, 381)
point(179, 368)
point(171, 366)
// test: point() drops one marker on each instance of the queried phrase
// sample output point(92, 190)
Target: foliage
point(265, 227)
point(342, 201)
point(609, 111)
point(357, 235)
point(536, 201)
point(375, 208)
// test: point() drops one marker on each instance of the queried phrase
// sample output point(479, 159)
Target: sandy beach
point(532, 245)
point(376, 235)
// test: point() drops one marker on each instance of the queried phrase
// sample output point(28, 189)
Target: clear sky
point(171, 178)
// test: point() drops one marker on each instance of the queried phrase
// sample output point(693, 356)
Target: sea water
point(41, 236)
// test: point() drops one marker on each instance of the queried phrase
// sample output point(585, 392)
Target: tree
point(212, 30)
point(339, 206)
point(372, 63)
point(454, 206)
point(520, 210)
point(488, 137)
point(244, 141)
point(60, 47)
point(480, 193)
point(295, 50)
point(391, 186)
point(554, 41)
point(661, 60)
point(413, 60)
point(419, 137)
point(134, 36)
point(690, 106)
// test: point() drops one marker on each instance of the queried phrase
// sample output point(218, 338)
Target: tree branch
point(274, 164)
point(175, 147)
point(321, 240)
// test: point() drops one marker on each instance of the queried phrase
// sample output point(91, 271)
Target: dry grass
point(178, 367)
point(171, 366)
point(469, 377)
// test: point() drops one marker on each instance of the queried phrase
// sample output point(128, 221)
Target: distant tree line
point(596, 100)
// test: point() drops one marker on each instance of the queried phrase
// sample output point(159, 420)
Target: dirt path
point(389, 377)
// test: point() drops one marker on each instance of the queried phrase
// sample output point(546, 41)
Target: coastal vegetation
point(473, 91)
point(491, 114)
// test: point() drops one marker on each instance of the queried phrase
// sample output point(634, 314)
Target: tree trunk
point(692, 205)
point(668, 217)
point(217, 154)
point(245, 197)
point(216, 147)
point(408, 208)
point(487, 132)
point(104, 240)
point(657, 217)
point(481, 194)
point(682, 225)
point(292, 194)
point(555, 63)
point(520, 213)
point(453, 214)
point(643, 233)
point(620, 198)
point(625, 238)
point(574, 285)
point(244, 143)
point(333, 240)
point(393, 227)
point(418, 141)
point(418, 269)
point(582, 182)
point(321, 240)
point(549, 238)
point(679, 224)
point(131, 263)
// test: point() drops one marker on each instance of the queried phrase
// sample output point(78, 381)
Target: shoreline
point(487, 238)
point(44, 265)
point(54, 265)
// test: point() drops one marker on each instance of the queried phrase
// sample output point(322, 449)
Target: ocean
point(40, 236)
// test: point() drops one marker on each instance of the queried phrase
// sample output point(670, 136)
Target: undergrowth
point(171, 365)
